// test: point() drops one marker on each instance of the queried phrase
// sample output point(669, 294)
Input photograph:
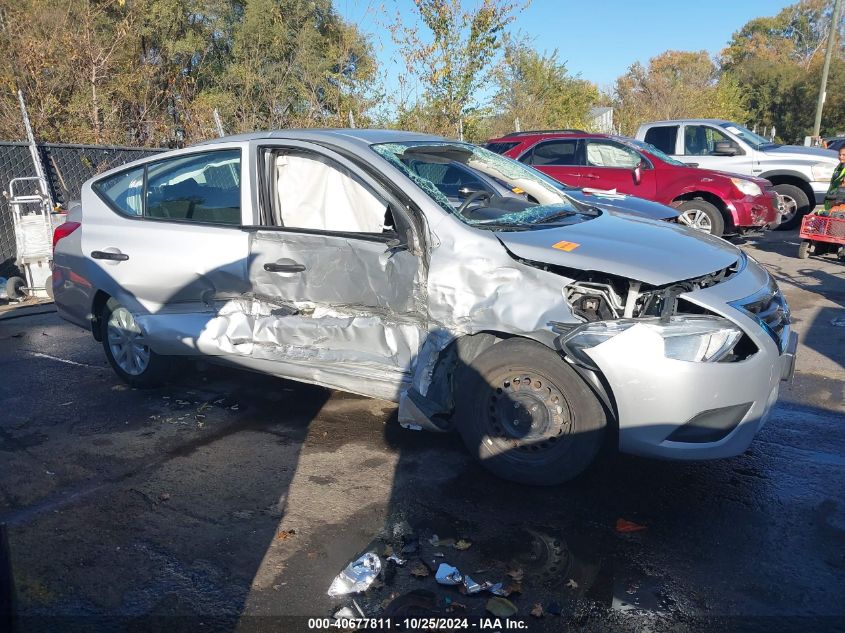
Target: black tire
point(804, 249)
point(559, 423)
point(717, 221)
point(48, 287)
point(14, 288)
point(154, 374)
point(802, 205)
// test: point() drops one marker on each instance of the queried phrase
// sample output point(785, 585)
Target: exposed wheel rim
point(526, 412)
point(126, 342)
point(788, 207)
point(696, 219)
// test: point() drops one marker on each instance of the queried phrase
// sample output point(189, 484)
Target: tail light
point(63, 230)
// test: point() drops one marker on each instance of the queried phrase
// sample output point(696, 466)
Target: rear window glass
point(501, 147)
point(124, 191)
point(663, 138)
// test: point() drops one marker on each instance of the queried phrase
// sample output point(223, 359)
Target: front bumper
point(755, 211)
point(685, 410)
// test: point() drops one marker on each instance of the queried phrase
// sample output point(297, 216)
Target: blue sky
point(597, 39)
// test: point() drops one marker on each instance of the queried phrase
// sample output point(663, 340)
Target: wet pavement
point(229, 501)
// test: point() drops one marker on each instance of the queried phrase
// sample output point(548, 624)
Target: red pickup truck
point(712, 201)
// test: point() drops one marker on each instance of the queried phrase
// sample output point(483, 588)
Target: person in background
point(834, 200)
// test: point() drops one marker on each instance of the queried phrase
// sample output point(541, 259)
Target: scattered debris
point(345, 614)
point(517, 574)
point(470, 586)
point(439, 555)
point(434, 540)
point(623, 526)
point(164, 496)
point(411, 548)
point(360, 610)
point(462, 545)
point(357, 576)
point(419, 570)
point(448, 575)
point(284, 535)
point(393, 558)
point(498, 590)
point(513, 587)
point(537, 610)
point(572, 584)
point(501, 607)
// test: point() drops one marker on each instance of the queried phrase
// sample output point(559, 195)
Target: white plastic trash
point(357, 576)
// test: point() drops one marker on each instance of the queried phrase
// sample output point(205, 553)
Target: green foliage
point(138, 71)
point(676, 84)
point(537, 89)
point(451, 57)
point(778, 62)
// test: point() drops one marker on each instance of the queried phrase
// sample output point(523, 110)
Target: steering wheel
point(478, 195)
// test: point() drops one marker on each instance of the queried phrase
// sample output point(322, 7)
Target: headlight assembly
point(823, 171)
point(747, 187)
point(699, 339)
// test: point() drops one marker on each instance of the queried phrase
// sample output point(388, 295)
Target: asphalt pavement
point(228, 501)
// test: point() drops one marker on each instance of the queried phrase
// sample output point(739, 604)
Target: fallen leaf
point(572, 584)
point(513, 587)
point(164, 496)
point(516, 573)
point(501, 607)
point(462, 545)
point(419, 570)
point(624, 526)
point(285, 535)
point(537, 611)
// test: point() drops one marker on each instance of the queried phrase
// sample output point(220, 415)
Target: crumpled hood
point(623, 202)
point(654, 252)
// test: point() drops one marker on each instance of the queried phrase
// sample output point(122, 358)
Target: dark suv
point(711, 201)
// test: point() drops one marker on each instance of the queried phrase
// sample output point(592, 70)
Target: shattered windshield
point(483, 188)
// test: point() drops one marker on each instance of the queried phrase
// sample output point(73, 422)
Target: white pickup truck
point(800, 175)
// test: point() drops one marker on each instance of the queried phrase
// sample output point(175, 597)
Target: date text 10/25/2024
point(414, 624)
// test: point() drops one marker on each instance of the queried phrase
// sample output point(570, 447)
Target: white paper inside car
point(312, 194)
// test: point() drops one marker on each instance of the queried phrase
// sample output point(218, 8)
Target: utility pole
point(831, 38)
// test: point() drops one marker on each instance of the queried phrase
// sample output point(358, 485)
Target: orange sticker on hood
point(566, 246)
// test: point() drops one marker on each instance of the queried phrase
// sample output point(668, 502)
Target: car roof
point(664, 121)
point(365, 136)
point(541, 134)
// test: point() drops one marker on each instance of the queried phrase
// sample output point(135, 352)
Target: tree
point(778, 62)
point(537, 89)
point(453, 61)
point(676, 84)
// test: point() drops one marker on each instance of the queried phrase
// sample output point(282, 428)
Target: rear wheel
point(702, 216)
point(15, 288)
point(127, 351)
point(804, 249)
point(527, 415)
point(794, 204)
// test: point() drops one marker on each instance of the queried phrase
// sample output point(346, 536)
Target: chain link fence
point(67, 167)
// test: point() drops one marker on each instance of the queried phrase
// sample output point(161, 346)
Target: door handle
point(115, 257)
point(284, 268)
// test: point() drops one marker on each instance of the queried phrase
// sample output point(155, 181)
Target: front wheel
point(527, 415)
point(127, 351)
point(794, 204)
point(702, 216)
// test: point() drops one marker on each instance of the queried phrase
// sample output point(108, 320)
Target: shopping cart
point(822, 234)
point(34, 221)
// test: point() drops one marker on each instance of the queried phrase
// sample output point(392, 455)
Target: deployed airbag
point(315, 194)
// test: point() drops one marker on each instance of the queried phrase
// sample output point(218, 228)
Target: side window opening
point(605, 154)
point(556, 153)
point(125, 191)
point(700, 140)
point(663, 137)
point(196, 187)
point(313, 192)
